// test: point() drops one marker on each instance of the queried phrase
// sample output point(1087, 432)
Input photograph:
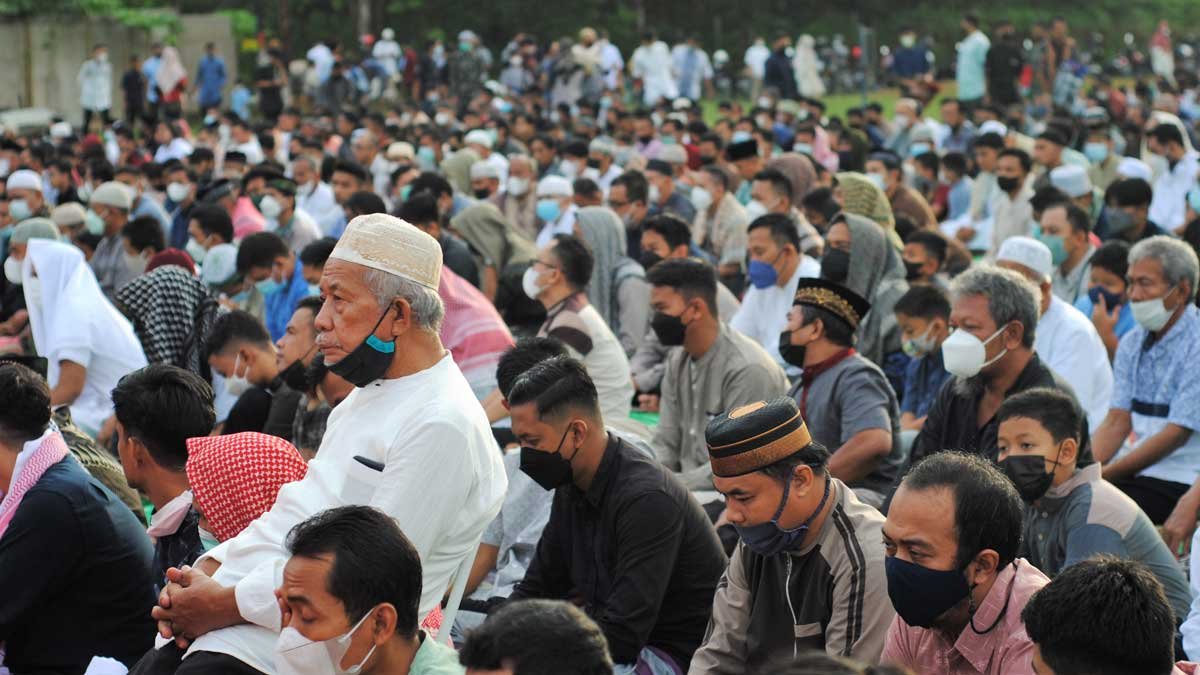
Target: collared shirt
point(723, 234)
point(108, 263)
point(1156, 382)
point(282, 303)
point(959, 140)
point(953, 421)
point(1170, 192)
point(1005, 650)
point(1074, 284)
point(210, 76)
point(764, 311)
point(1011, 217)
point(734, 371)
point(1068, 343)
point(638, 550)
point(649, 362)
point(923, 379)
point(579, 326)
point(969, 72)
point(1088, 516)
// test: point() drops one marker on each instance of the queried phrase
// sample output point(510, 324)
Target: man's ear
point(803, 478)
point(403, 316)
point(383, 623)
point(984, 567)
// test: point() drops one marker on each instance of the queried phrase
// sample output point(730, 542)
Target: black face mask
point(650, 259)
point(295, 376)
point(707, 159)
point(369, 361)
point(669, 329)
point(1007, 183)
point(1028, 474)
point(792, 354)
point(548, 469)
point(835, 265)
point(645, 139)
point(593, 164)
point(482, 194)
point(912, 270)
point(846, 161)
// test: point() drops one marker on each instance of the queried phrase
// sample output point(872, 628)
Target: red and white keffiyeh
point(50, 450)
point(235, 478)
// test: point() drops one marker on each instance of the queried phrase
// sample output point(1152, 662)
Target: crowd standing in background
point(436, 359)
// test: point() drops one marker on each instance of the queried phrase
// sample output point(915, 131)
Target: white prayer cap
point(24, 179)
point(388, 33)
point(993, 127)
point(388, 244)
point(70, 214)
point(602, 146)
point(400, 150)
point(673, 154)
point(60, 130)
point(467, 36)
point(1029, 252)
point(219, 266)
point(114, 194)
point(554, 186)
point(484, 170)
point(478, 137)
point(1128, 167)
point(1071, 179)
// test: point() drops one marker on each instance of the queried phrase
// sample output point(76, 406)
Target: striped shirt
point(473, 332)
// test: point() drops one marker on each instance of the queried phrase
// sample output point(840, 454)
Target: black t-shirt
point(458, 258)
point(250, 412)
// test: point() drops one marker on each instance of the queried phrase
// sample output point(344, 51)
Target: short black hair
point(1112, 256)
point(1129, 192)
point(24, 404)
point(837, 330)
point(928, 160)
point(312, 303)
point(554, 385)
point(924, 301)
point(990, 140)
point(932, 241)
point(1166, 133)
point(365, 202)
point(1054, 409)
point(636, 187)
point(719, 175)
point(822, 201)
point(575, 260)
point(954, 161)
point(353, 168)
point(814, 454)
point(1045, 197)
point(373, 562)
point(890, 160)
point(987, 508)
point(419, 209)
point(1078, 218)
point(260, 250)
point(538, 637)
point(585, 187)
point(317, 253)
point(779, 182)
point(162, 406)
point(783, 229)
point(690, 277)
point(1022, 157)
point(430, 182)
point(671, 228)
point(524, 355)
point(213, 219)
point(144, 232)
point(236, 327)
point(1103, 616)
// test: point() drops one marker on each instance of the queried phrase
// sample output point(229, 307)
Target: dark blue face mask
point(769, 538)
point(1110, 299)
point(919, 594)
point(369, 361)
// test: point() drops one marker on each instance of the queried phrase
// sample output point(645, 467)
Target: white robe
point(652, 64)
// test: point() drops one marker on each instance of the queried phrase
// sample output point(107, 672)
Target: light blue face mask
point(207, 540)
point(314, 290)
point(548, 210)
point(268, 286)
point(18, 210)
point(241, 298)
point(92, 221)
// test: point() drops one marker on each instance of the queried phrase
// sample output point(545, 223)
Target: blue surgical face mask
point(1110, 299)
point(918, 149)
point(769, 538)
point(314, 290)
point(548, 210)
point(268, 286)
point(1095, 152)
point(18, 210)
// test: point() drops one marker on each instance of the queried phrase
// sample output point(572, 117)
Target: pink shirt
point(473, 331)
point(1006, 650)
point(246, 219)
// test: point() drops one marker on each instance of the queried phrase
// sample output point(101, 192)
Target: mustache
point(327, 340)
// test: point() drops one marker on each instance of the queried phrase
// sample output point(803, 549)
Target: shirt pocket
point(361, 483)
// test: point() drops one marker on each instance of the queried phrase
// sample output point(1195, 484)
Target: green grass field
point(838, 104)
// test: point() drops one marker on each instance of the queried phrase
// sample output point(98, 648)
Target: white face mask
point(900, 120)
point(33, 292)
point(878, 180)
point(270, 207)
point(12, 270)
point(196, 250)
point(653, 195)
point(568, 168)
point(177, 192)
point(701, 198)
point(755, 209)
point(297, 655)
point(517, 186)
point(236, 384)
point(529, 283)
point(1150, 314)
point(136, 263)
point(965, 355)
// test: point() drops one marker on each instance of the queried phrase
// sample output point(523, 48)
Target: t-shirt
point(580, 327)
point(435, 658)
point(250, 412)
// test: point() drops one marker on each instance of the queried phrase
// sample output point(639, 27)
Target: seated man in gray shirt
point(1072, 513)
point(711, 368)
point(846, 399)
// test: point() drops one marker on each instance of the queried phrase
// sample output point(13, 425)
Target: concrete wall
point(44, 55)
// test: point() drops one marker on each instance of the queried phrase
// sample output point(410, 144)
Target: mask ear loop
point(1003, 610)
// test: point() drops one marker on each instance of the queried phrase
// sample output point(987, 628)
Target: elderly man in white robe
point(411, 440)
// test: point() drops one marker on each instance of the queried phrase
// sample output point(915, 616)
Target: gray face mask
point(1119, 221)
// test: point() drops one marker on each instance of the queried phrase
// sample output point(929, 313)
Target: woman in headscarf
point(807, 67)
point(172, 312)
point(457, 169)
point(859, 257)
point(860, 196)
point(618, 289)
point(87, 342)
point(171, 81)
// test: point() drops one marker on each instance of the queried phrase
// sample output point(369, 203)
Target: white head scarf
point(72, 320)
point(170, 70)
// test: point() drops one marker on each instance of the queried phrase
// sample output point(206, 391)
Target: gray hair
point(1011, 297)
point(427, 310)
point(312, 163)
point(531, 162)
point(1178, 260)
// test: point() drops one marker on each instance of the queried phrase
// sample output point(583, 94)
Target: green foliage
point(145, 14)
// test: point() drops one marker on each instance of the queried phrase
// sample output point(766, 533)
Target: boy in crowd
point(924, 317)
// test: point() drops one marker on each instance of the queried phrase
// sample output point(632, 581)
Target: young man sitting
point(240, 349)
point(1074, 514)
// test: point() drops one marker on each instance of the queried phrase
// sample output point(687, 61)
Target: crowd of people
point(597, 385)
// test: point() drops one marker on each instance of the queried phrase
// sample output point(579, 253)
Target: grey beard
point(969, 387)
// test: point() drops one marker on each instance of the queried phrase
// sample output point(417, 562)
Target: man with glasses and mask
point(612, 503)
point(808, 572)
point(1156, 395)
point(428, 462)
point(953, 574)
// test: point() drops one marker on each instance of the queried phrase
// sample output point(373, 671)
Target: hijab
point(605, 236)
point(863, 198)
point(877, 274)
point(799, 171)
point(457, 168)
point(171, 312)
point(490, 234)
point(170, 70)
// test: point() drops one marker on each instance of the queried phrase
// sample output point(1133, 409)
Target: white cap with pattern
point(389, 244)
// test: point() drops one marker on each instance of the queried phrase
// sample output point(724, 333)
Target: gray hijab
point(876, 274)
point(605, 236)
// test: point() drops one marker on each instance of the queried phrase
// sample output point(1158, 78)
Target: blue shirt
point(1125, 320)
point(923, 379)
point(239, 101)
point(150, 69)
point(911, 61)
point(210, 75)
point(282, 303)
point(960, 199)
point(972, 52)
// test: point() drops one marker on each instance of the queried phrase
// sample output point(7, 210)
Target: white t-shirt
point(764, 311)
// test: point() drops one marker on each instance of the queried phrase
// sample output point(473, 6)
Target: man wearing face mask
point(1065, 230)
point(294, 225)
point(369, 625)
point(1012, 214)
point(240, 349)
point(665, 555)
point(1127, 214)
point(313, 195)
point(994, 316)
point(952, 537)
point(430, 461)
point(181, 197)
point(25, 198)
point(1171, 186)
point(663, 197)
point(208, 226)
point(772, 192)
point(108, 211)
point(555, 209)
point(1073, 514)
point(485, 180)
point(516, 198)
point(1155, 395)
point(808, 571)
point(276, 273)
point(142, 239)
point(885, 168)
point(846, 399)
point(721, 222)
point(600, 161)
point(715, 368)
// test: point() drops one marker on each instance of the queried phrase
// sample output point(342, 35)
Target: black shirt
point(638, 552)
point(953, 422)
point(250, 412)
point(177, 549)
point(457, 256)
point(282, 412)
point(76, 577)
